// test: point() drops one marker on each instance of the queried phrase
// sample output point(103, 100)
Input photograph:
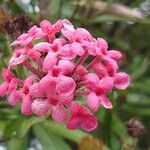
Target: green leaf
point(139, 111)
point(18, 143)
point(60, 129)
point(28, 123)
point(13, 128)
point(49, 140)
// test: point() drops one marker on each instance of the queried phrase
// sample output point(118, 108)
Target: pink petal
point(67, 25)
point(77, 48)
point(111, 65)
point(48, 84)
point(66, 66)
point(102, 44)
point(58, 113)
point(6, 74)
point(65, 85)
point(45, 26)
point(65, 99)
point(75, 109)
point(23, 39)
point(91, 80)
point(84, 34)
point(16, 60)
point(56, 27)
point(26, 105)
point(36, 91)
point(34, 55)
point(36, 32)
point(3, 89)
point(14, 97)
point(80, 72)
point(42, 47)
point(122, 80)
point(66, 52)
point(105, 102)
point(28, 82)
point(72, 123)
point(106, 84)
point(49, 61)
point(93, 101)
point(116, 55)
point(12, 86)
point(40, 107)
point(89, 122)
point(100, 70)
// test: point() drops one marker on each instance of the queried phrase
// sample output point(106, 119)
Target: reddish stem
point(89, 66)
point(82, 58)
point(32, 69)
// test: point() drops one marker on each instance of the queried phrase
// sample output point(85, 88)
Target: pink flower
point(9, 87)
point(23, 39)
point(8, 78)
point(54, 105)
point(26, 97)
point(18, 57)
point(50, 30)
point(98, 90)
point(61, 70)
point(81, 116)
point(56, 81)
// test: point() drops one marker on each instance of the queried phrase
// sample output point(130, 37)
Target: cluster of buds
point(60, 75)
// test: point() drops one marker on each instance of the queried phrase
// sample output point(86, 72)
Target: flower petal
point(66, 52)
point(42, 47)
point(3, 89)
point(91, 81)
point(77, 48)
point(102, 44)
point(72, 123)
point(26, 105)
point(65, 85)
point(14, 97)
point(122, 80)
point(105, 102)
point(116, 55)
point(36, 91)
point(58, 113)
point(66, 66)
point(93, 101)
point(89, 122)
point(45, 26)
point(40, 107)
point(48, 85)
point(49, 61)
point(106, 84)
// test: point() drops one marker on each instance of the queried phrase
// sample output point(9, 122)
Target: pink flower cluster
point(60, 75)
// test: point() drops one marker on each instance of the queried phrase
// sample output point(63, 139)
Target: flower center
point(54, 101)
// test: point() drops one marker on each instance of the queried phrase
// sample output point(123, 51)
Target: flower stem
point(32, 69)
point(89, 66)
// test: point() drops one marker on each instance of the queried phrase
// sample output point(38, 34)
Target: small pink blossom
point(81, 116)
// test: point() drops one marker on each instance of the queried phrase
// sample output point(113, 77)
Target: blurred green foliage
point(124, 30)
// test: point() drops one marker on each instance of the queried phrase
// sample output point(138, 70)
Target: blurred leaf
point(139, 111)
point(13, 128)
point(137, 99)
point(28, 123)
point(60, 129)
point(18, 143)
point(143, 86)
point(49, 140)
point(140, 68)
